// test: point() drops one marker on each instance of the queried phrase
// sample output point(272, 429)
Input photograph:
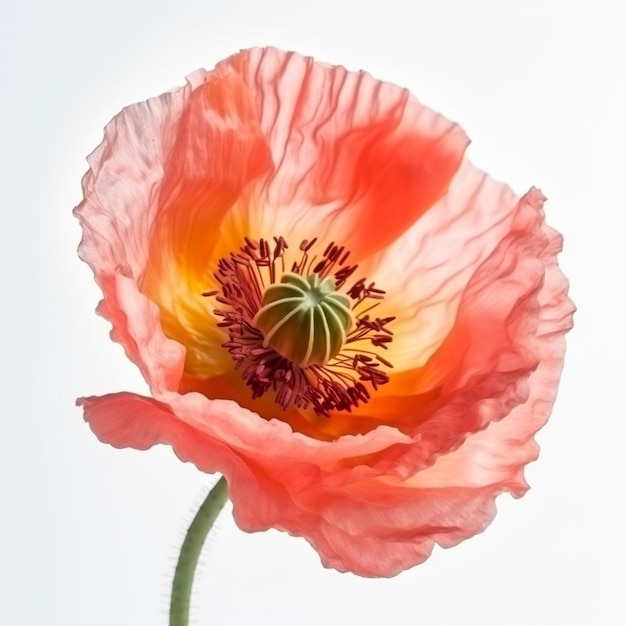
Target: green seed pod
point(304, 319)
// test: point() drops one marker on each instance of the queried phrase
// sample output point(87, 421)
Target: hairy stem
point(190, 552)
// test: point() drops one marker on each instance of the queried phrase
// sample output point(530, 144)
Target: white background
point(89, 534)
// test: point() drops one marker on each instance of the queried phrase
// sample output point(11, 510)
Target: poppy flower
point(330, 304)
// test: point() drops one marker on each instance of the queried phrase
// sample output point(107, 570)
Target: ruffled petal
point(498, 454)
point(426, 271)
point(122, 185)
point(379, 528)
point(120, 203)
point(482, 369)
point(356, 160)
point(219, 150)
point(137, 326)
point(117, 418)
point(358, 521)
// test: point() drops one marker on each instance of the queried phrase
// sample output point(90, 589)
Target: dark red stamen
point(338, 385)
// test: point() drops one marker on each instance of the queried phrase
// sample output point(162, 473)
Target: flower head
point(330, 304)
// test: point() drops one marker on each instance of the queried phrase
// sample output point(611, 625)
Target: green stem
point(190, 552)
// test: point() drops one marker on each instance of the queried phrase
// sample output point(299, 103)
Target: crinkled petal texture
point(274, 144)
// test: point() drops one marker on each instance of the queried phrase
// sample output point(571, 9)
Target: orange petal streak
point(357, 160)
point(219, 150)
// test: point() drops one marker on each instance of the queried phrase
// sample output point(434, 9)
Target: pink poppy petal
point(116, 217)
point(117, 418)
point(356, 160)
point(483, 368)
point(137, 326)
point(499, 453)
point(219, 149)
point(381, 529)
point(121, 187)
point(358, 522)
point(425, 271)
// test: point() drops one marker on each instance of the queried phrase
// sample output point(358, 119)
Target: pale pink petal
point(482, 369)
point(358, 521)
point(121, 201)
point(116, 418)
point(137, 326)
point(498, 454)
point(386, 529)
point(122, 185)
point(425, 271)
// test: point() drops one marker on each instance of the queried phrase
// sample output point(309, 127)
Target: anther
point(294, 333)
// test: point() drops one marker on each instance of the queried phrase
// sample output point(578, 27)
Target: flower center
point(300, 333)
point(305, 320)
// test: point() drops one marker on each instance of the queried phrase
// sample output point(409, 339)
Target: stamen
point(299, 338)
